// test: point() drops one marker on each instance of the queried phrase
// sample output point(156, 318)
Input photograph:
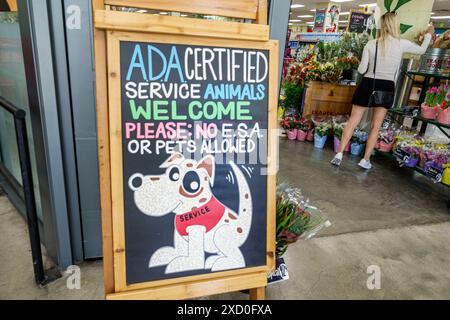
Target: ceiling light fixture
point(370, 5)
point(305, 16)
point(440, 17)
point(297, 6)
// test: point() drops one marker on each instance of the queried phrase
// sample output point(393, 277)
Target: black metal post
point(30, 201)
point(28, 189)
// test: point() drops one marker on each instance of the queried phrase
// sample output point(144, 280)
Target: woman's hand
point(430, 29)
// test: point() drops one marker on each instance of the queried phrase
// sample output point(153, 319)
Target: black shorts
point(364, 91)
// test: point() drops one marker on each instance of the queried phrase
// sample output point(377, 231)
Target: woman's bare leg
point(355, 119)
point(377, 120)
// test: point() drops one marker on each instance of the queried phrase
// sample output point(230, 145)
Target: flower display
point(360, 136)
point(304, 124)
point(435, 96)
point(295, 218)
point(446, 103)
point(348, 63)
point(322, 129)
point(289, 123)
point(330, 72)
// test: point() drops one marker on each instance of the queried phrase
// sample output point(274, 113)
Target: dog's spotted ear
point(175, 158)
point(208, 163)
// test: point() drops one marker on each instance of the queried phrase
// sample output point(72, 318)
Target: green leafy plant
point(328, 51)
point(293, 93)
point(352, 44)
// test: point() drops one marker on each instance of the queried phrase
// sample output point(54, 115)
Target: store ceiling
point(440, 8)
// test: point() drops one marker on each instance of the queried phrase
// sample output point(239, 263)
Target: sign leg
point(258, 293)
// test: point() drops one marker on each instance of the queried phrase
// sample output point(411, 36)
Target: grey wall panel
point(89, 195)
point(37, 49)
point(278, 20)
point(57, 23)
point(81, 69)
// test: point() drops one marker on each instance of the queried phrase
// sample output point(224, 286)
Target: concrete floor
point(388, 217)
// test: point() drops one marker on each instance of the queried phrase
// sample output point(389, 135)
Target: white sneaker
point(365, 164)
point(337, 160)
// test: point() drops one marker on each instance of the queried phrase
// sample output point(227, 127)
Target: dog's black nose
point(136, 181)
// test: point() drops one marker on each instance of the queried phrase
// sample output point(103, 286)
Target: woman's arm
point(409, 47)
point(364, 64)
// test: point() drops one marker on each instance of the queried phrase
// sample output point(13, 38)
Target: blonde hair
point(389, 26)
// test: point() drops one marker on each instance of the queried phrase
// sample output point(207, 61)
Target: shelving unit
point(430, 79)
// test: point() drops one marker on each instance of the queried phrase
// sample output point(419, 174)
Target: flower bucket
point(356, 149)
point(310, 136)
point(301, 135)
point(427, 165)
point(428, 112)
point(319, 142)
point(411, 162)
point(444, 116)
point(292, 134)
point(386, 147)
point(337, 143)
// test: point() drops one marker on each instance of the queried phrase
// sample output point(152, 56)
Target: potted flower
point(303, 126)
point(386, 140)
point(290, 125)
point(434, 97)
point(338, 129)
point(321, 134)
point(358, 141)
point(310, 135)
point(444, 110)
point(407, 152)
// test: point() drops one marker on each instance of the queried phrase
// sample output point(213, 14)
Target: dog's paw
point(162, 257)
point(182, 264)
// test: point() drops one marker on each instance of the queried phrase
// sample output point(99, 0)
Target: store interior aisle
point(385, 217)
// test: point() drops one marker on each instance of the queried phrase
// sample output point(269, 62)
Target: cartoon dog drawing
point(202, 223)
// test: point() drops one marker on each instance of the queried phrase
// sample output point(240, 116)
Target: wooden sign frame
point(111, 27)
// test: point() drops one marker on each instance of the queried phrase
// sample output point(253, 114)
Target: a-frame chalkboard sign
point(188, 147)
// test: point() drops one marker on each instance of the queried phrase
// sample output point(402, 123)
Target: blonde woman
point(389, 49)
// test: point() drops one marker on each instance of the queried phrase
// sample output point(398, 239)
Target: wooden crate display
point(328, 98)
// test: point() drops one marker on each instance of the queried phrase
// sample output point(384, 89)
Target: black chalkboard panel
point(359, 22)
point(194, 122)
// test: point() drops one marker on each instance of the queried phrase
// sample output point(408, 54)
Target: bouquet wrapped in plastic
point(386, 137)
point(434, 157)
point(407, 151)
point(295, 218)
